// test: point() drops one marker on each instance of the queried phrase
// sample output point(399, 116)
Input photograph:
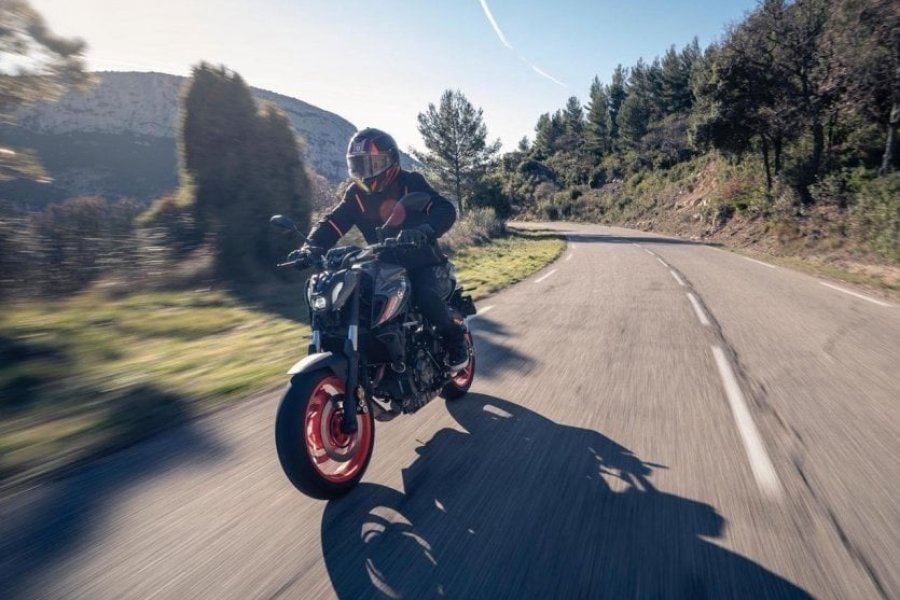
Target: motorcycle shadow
point(522, 507)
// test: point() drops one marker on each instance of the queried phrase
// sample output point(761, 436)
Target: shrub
point(477, 226)
point(875, 214)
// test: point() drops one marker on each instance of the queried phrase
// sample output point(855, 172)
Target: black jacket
point(369, 211)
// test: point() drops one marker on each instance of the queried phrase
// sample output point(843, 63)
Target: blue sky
point(381, 63)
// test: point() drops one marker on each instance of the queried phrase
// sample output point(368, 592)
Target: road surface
point(651, 418)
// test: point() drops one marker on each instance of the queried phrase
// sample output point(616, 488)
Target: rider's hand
point(302, 258)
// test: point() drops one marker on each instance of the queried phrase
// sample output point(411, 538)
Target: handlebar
point(372, 249)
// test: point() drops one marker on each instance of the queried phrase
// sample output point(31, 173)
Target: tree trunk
point(765, 153)
point(887, 161)
point(456, 179)
point(815, 160)
point(811, 169)
point(778, 143)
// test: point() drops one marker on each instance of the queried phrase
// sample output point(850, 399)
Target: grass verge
point(83, 376)
point(484, 269)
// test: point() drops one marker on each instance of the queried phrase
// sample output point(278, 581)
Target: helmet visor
point(367, 166)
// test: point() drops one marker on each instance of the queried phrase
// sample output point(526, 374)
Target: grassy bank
point(851, 231)
point(85, 375)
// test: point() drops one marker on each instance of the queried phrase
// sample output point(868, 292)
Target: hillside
point(118, 139)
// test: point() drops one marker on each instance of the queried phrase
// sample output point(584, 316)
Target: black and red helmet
point(373, 159)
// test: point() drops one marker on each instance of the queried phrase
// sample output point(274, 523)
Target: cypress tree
point(239, 166)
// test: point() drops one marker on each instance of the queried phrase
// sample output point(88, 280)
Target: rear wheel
point(460, 383)
point(318, 458)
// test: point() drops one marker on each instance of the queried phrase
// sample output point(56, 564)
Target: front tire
point(318, 458)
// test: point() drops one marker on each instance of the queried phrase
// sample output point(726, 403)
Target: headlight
point(319, 302)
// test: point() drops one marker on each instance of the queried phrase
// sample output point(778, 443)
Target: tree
point(866, 36)
point(455, 137)
point(524, 145)
point(675, 78)
point(548, 133)
point(617, 91)
point(597, 133)
point(38, 66)
point(239, 166)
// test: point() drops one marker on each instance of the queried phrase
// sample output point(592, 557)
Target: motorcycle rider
point(373, 161)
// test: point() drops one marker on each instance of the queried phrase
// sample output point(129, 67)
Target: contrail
point(497, 30)
point(543, 73)
point(505, 42)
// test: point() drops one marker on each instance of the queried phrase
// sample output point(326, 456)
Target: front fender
point(321, 360)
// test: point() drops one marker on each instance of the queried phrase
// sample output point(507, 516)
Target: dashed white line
point(860, 296)
point(481, 312)
point(704, 320)
point(662, 262)
point(647, 251)
point(569, 257)
point(760, 464)
point(543, 277)
point(759, 262)
point(677, 278)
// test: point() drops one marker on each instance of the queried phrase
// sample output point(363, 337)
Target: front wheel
point(318, 458)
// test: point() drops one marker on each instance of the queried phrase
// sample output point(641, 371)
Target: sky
point(381, 63)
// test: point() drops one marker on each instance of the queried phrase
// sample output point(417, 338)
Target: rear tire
point(319, 459)
point(460, 383)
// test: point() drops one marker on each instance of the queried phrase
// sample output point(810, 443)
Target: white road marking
point(759, 262)
point(481, 312)
point(677, 278)
point(543, 277)
point(704, 320)
point(662, 262)
point(760, 464)
point(569, 257)
point(860, 296)
point(648, 252)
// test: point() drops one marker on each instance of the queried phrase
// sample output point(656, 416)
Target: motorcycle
point(372, 356)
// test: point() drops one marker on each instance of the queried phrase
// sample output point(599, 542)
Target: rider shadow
point(522, 507)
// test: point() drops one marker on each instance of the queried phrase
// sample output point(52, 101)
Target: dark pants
point(430, 286)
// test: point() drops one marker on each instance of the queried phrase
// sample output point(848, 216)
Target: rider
point(373, 160)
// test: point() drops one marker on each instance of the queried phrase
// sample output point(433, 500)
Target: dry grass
point(92, 373)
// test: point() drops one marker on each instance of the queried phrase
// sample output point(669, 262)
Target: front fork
point(351, 351)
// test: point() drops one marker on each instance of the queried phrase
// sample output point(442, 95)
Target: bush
point(875, 214)
point(478, 226)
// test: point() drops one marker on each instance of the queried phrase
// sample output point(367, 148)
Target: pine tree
point(455, 137)
point(574, 117)
point(617, 91)
point(597, 133)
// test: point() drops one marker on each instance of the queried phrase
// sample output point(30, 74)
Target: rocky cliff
point(118, 139)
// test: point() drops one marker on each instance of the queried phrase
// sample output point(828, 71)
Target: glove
point(303, 258)
point(417, 236)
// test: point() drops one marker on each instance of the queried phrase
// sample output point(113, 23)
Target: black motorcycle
point(372, 356)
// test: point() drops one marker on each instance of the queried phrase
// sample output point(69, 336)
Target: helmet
point(373, 159)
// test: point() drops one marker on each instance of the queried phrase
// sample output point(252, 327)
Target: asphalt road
point(651, 418)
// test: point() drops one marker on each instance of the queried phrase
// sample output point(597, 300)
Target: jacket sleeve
point(334, 225)
point(440, 213)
